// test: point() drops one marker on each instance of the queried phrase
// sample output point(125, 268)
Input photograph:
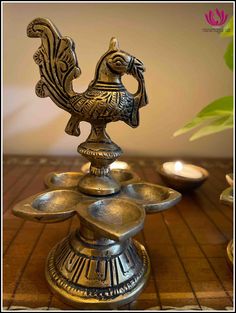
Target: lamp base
point(104, 275)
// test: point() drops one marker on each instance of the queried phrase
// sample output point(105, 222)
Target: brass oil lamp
point(99, 265)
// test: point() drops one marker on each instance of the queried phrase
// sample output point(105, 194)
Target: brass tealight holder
point(99, 265)
point(182, 176)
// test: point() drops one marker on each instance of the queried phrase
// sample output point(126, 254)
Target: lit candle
point(181, 169)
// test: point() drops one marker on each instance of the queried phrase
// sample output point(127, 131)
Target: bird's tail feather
point(57, 63)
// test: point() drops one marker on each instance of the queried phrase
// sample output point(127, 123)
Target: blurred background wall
point(185, 70)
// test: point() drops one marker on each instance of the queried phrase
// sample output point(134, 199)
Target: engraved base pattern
point(85, 278)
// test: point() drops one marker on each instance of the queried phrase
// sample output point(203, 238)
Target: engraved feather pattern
point(105, 106)
point(57, 63)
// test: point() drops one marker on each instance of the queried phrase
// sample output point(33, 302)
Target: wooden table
point(186, 244)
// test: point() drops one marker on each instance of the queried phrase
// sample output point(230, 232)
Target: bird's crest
point(114, 45)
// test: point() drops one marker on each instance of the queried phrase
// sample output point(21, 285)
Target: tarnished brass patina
point(99, 265)
point(120, 165)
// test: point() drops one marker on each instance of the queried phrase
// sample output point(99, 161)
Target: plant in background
point(219, 114)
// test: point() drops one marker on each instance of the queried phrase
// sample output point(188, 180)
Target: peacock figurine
point(105, 100)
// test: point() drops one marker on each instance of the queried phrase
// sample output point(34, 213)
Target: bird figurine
point(106, 98)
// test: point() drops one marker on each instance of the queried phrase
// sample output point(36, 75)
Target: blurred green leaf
point(197, 121)
point(216, 126)
point(222, 107)
point(228, 56)
point(228, 30)
point(219, 106)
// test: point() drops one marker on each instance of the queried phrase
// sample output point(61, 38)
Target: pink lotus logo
point(216, 19)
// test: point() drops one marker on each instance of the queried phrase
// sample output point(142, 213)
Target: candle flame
point(178, 166)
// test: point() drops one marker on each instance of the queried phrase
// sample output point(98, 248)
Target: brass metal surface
point(227, 198)
point(230, 178)
point(58, 204)
point(71, 179)
point(48, 207)
point(66, 180)
point(106, 99)
point(230, 251)
point(152, 197)
point(99, 265)
point(106, 275)
point(120, 165)
point(181, 183)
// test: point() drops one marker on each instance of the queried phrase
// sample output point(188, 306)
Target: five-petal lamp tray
point(62, 200)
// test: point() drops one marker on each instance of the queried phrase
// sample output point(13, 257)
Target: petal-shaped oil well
point(154, 198)
point(66, 180)
point(125, 177)
point(48, 207)
point(115, 218)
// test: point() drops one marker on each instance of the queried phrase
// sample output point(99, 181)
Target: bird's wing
point(96, 104)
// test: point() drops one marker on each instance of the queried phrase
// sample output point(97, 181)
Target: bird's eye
point(118, 63)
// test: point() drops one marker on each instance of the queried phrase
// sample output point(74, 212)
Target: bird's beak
point(140, 66)
point(136, 68)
